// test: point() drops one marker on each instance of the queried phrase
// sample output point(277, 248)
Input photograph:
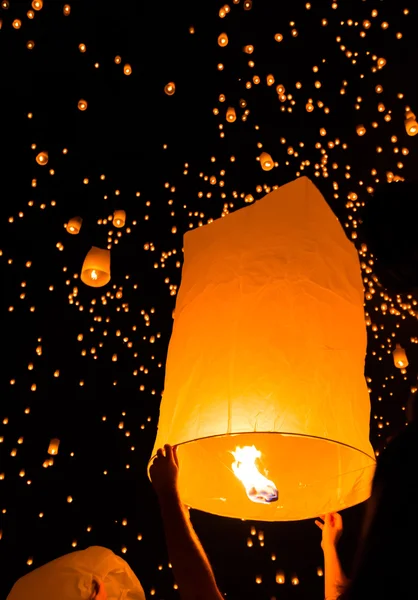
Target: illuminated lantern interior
point(411, 124)
point(170, 88)
point(231, 114)
point(96, 267)
point(265, 394)
point(42, 158)
point(74, 225)
point(119, 218)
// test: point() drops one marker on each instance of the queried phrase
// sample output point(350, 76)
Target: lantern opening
point(258, 488)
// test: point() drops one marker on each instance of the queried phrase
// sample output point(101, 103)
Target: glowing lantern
point(266, 161)
point(231, 114)
point(119, 218)
point(170, 88)
point(399, 357)
point(411, 124)
point(42, 158)
point(82, 105)
point(127, 69)
point(37, 4)
point(361, 130)
point(53, 446)
point(265, 394)
point(74, 225)
point(223, 40)
point(71, 576)
point(96, 267)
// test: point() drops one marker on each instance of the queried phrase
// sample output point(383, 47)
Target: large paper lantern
point(72, 576)
point(96, 267)
point(265, 393)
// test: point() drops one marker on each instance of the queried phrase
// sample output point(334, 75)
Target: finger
point(160, 452)
point(319, 524)
point(168, 451)
point(176, 460)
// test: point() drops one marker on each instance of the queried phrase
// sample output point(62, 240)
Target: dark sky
point(83, 399)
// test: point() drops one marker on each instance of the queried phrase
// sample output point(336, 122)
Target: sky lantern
point(264, 393)
point(170, 88)
point(119, 218)
point(231, 115)
point(42, 158)
point(411, 124)
point(72, 575)
point(53, 446)
point(223, 40)
point(400, 359)
point(96, 267)
point(266, 161)
point(74, 225)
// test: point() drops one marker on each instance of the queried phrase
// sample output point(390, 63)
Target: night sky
point(86, 365)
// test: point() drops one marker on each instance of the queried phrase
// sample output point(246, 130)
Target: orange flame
point(258, 488)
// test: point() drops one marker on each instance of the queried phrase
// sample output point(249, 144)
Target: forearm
point(191, 566)
point(335, 579)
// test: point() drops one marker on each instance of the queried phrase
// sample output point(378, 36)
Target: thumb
point(176, 460)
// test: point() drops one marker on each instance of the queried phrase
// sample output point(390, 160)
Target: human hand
point(331, 526)
point(164, 470)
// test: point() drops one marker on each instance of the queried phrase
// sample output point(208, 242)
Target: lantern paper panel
point(96, 267)
point(267, 352)
point(74, 225)
point(119, 218)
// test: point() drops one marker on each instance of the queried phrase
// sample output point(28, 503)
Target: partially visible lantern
point(170, 88)
point(266, 161)
point(37, 4)
point(42, 158)
point(231, 115)
point(96, 267)
point(264, 394)
point(119, 218)
point(53, 446)
point(223, 40)
point(74, 225)
point(400, 359)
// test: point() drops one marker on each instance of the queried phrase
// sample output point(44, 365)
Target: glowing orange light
point(258, 488)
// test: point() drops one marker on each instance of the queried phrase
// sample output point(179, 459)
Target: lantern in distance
point(231, 115)
point(266, 161)
point(53, 446)
point(265, 395)
point(119, 218)
point(170, 88)
point(96, 267)
point(42, 158)
point(361, 130)
point(74, 225)
point(411, 124)
point(82, 105)
point(400, 359)
point(223, 40)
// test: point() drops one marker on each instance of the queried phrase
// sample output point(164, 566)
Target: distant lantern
point(119, 218)
point(249, 49)
point(170, 88)
point(42, 158)
point(399, 357)
point(266, 161)
point(53, 446)
point(82, 105)
point(127, 69)
point(96, 267)
point(74, 225)
point(223, 40)
point(66, 10)
point(231, 114)
point(37, 4)
point(361, 130)
point(270, 79)
point(411, 124)
point(265, 395)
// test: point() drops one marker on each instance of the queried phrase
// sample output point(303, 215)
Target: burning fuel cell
point(258, 488)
